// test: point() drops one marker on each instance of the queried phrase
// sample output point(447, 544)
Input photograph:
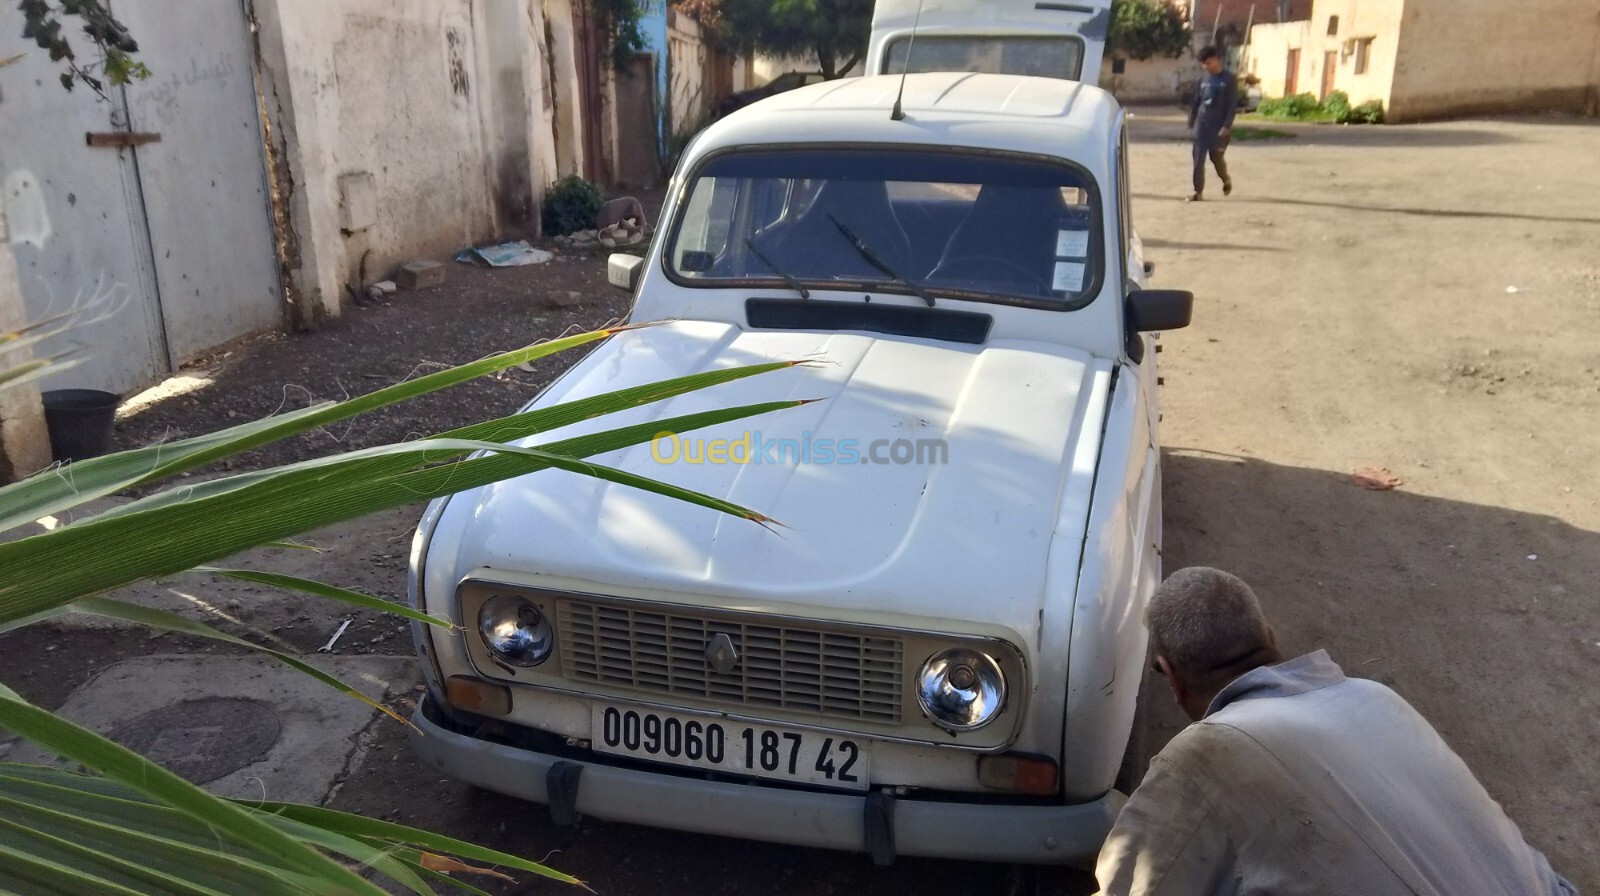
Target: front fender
point(1121, 568)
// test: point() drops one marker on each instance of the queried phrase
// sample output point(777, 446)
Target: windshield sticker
point(1069, 276)
point(1072, 243)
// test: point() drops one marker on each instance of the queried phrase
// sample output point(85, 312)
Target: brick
point(420, 274)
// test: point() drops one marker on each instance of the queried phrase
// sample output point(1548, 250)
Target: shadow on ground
point(1388, 582)
point(1380, 209)
point(1372, 577)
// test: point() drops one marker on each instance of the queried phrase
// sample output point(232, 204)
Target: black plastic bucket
point(79, 422)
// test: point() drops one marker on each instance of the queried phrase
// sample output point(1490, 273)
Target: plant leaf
point(434, 862)
point(387, 831)
point(45, 494)
point(107, 608)
point(127, 545)
point(332, 592)
point(229, 820)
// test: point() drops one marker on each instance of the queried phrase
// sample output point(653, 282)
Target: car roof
point(1047, 116)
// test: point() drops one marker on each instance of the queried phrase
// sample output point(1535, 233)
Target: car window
point(708, 216)
point(986, 227)
point(786, 82)
point(1053, 56)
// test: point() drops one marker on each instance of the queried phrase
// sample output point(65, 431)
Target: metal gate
point(147, 213)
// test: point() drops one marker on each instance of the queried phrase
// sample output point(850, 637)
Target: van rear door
point(1015, 37)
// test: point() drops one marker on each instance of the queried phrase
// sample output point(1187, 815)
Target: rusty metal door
point(149, 209)
point(1291, 77)
point(1330, 71)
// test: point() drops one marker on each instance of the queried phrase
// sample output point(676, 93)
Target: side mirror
point(1149, 268)
point(624, 271)
point(1159, 309)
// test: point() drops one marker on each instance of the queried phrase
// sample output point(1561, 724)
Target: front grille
point(788, 666)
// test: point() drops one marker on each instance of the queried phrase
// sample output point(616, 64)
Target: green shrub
point(1337, 105)
point(571, 204)
point(1274, 107)
point(1299, 106)
point(1302, 105)
point(1369, 112)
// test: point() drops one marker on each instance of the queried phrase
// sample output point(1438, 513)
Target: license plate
point(762, 751)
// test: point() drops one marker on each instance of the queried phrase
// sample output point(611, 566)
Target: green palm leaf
point(136, 828)
point(227, 819)
point(175, 531)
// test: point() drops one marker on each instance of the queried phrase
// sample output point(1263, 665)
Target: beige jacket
point(1299, 780)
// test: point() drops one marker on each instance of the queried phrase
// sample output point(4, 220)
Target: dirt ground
point(1419, 298)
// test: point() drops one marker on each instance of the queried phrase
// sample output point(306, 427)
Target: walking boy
point(1211, 118)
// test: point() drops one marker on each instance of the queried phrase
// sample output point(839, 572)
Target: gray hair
point(1204, 620)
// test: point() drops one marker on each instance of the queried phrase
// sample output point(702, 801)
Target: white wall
point(449, 105)
point(1155, 80)
point(24, 445)
point(687, 57)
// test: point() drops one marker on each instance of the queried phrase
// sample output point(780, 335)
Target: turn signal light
point(476, 695)
point(1031, 775)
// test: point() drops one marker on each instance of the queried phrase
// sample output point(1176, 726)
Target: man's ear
point(1167, 672)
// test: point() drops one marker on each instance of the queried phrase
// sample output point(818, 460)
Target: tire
point(1136, 758)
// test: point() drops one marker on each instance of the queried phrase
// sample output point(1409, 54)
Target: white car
point(940, 653)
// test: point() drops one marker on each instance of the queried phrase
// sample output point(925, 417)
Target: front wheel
point(1136, 758)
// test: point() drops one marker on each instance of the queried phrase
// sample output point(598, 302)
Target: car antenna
point(899, 113)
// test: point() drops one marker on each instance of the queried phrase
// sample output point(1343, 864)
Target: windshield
point(987, 227)
point(1051, 56)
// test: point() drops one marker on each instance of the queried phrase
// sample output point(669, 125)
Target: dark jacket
point(1215, 102)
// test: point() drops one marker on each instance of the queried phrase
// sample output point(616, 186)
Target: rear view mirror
point(1159, 309)
point(624, 271)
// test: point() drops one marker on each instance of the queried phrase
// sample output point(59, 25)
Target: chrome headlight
point(961, 689)
point(515, 630)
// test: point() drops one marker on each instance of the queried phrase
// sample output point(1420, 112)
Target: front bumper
point(1070, 834)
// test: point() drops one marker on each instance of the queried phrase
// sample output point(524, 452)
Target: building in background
point(1437, 58)
point(1225, 23)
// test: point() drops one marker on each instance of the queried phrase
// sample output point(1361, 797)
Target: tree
point(116, 66)
point(834, 32)
point(1141, 29)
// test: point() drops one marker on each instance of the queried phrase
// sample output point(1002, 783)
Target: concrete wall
point(688, 97)
point(1156, 80)
point(1380, 21)
point(450, 116)
point(24, 444)
point(1462, 57)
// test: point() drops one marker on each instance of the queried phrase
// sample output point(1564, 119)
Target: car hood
point(966, 536)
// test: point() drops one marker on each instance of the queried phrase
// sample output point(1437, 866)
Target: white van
point(941, 654)
point(1011, 37)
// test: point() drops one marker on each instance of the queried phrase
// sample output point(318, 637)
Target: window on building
point(1363, 54)
point(1333, 25)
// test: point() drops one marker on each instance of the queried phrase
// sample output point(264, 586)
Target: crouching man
point(1295, 779)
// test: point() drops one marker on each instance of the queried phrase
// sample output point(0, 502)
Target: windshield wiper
point(876, 261)
point(787, 278)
